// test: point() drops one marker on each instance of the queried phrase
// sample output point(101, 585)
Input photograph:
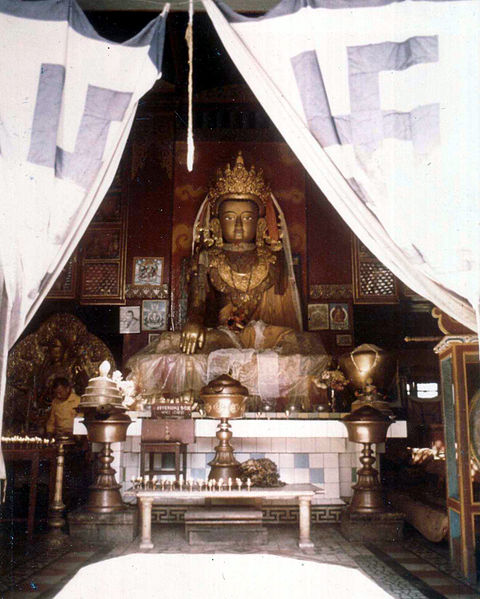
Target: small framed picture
point(344, 340)
point(147, 271)
point(154, 315)
point(317, 317)
point(129, 319)
point(153, 337)
point(339, 320)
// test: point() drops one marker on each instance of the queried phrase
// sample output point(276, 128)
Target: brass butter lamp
point(367, 425)
point(106, 423)
point(224, 398)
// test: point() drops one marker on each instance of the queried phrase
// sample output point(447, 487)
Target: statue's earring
point(261, 232)
point(216, 231)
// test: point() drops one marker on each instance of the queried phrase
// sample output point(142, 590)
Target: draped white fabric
point(379, 101)
point(67, 105)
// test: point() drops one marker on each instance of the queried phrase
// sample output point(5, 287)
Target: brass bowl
point(367, 425)
point(224, 397)
point(111, 429)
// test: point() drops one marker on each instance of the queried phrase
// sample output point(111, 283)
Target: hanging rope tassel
point(189, 40)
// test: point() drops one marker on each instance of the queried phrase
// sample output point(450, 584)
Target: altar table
point(302, 493)
point(34, 455)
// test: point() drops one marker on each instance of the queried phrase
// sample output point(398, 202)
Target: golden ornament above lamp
point(370, 370)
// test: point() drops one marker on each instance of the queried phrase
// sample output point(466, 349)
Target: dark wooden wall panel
point(328, 241)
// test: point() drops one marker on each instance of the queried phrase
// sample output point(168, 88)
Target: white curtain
point(379, 99)
point(67, 104)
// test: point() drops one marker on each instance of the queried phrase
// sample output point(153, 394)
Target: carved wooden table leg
point(304, 541)
point(145, 508)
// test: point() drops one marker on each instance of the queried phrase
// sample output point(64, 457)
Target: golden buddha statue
point(243, 304)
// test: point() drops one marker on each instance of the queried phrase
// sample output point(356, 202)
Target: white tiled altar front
point(305, 450)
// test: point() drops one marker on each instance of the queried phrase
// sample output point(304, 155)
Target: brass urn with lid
point(224, 398)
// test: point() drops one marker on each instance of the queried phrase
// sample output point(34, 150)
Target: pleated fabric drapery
point(379, 101)
point(68, 102)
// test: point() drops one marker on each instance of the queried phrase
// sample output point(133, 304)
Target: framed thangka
point(339, 318)
point(154, 315)
point(344, 340)
point(317, 317)
point(147, 271)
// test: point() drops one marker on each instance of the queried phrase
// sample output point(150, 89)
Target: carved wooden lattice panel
point(95, 274)
point(65, 287)
point(373, 283)
point(103, 250)
point(100, 280)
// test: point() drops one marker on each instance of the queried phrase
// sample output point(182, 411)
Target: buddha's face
point(238, 219)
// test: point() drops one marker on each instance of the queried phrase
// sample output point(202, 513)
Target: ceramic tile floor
point(408, 570)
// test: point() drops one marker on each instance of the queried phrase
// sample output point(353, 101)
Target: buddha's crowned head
point(240, 205)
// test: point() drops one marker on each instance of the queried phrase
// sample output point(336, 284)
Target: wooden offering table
point(302, 493)
point(34, 455)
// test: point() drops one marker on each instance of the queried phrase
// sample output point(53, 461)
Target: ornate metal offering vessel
point(369, 368)
point(367, 425)
point(106, 423)
point(224, 398)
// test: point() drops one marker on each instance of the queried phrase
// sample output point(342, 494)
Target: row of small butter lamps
point(27, 441)
point(156, 484)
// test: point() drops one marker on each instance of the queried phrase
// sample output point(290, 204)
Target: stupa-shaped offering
point(102, 393)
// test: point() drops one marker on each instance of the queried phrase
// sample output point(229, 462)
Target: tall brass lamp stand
point(56, 509)
point(367, 425)
point(224, 398)
point(106, 423)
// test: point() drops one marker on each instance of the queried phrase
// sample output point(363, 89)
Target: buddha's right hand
point(192, 338)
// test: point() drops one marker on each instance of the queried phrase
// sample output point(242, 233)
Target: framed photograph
point(153, 337)
point(154, 315)
point(129, 319)
point(147, 271)
point(317, 317)
point(339, 320)
point(344, 340)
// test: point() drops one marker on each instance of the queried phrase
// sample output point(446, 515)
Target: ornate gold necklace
point(241, 284)
point(240, 288)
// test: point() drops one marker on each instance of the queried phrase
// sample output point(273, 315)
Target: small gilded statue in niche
point(61, 348)
point(243, 304)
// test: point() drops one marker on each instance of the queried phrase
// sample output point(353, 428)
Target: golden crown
point(238, 183)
